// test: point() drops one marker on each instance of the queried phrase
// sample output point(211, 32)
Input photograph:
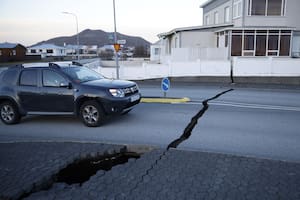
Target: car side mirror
point(65, 85)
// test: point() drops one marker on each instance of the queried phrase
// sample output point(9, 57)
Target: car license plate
point(135, 98)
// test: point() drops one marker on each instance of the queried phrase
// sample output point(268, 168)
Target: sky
point(30, 21)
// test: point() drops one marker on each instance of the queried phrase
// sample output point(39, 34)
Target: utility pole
point(115, 42)
point(77, 50)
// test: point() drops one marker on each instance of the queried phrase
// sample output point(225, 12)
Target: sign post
point(165, 86)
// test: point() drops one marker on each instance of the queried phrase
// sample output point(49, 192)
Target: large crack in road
point(189, 128)
point(186, 134)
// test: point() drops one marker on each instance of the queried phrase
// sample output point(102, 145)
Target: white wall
point(174, 69)
point(269, 67)
point(198, 39)
point(242, 67)
point(194, 54)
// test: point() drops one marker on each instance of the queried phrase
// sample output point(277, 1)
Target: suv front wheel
point(91, 113)
point(9, 113)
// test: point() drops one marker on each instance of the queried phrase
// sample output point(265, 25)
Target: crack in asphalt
point(186, 134)
point(189, 128)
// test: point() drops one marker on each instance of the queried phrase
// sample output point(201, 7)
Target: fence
point(266, 67)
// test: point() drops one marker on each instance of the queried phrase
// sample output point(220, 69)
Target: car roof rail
point(54, 65)
point(76, 63)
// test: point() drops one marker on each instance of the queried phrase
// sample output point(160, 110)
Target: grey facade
point(260, 27)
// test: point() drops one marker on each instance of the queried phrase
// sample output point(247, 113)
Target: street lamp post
point(77, 50)
point(115, 41)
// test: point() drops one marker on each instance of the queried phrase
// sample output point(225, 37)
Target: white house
point(47, 50)
point(257, 37)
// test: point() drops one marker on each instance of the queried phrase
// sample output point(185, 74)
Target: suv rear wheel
point(91, 114)
point(9, 113)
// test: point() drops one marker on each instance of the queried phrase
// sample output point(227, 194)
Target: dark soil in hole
point(81, 171)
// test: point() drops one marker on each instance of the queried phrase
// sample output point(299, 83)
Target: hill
point(97, 37)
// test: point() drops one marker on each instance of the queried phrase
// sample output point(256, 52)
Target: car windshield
point(82, 74)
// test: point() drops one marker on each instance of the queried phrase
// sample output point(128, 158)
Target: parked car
point(62, 89)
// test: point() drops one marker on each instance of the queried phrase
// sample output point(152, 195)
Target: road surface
point(249, 121)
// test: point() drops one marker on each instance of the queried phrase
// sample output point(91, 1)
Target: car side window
point(28, 78)
point(53, 79)
point(10, 77)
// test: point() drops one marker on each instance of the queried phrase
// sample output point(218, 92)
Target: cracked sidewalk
point(176, 174)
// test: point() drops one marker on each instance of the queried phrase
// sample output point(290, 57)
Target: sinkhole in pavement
point(81, 171)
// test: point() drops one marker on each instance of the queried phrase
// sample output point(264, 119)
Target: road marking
point(253, 106)
point(164, 100)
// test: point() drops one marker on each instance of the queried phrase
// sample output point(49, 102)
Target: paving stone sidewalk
point(159, 174)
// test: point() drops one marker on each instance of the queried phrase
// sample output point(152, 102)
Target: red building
point(10, 52)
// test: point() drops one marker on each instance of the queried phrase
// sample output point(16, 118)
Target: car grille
point(131, 90)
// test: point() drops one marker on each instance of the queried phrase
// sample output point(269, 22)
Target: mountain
point(97, 37)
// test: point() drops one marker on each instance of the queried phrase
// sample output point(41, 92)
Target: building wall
point(198, 39)
point(290, 19)
point(43, 52)
point(293, 13)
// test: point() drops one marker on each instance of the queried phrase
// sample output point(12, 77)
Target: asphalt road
point(252, 121)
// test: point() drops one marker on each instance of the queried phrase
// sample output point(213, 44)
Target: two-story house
point(260, 27)
point(239, 38)
point(245, 27)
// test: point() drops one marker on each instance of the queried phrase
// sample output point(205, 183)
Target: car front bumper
point(119, 105)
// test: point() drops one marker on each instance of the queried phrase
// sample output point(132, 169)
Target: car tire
point(9, 113)
point(91, 114)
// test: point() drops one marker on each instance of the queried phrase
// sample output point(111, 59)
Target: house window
point(249, 40)
point(237, 42)
point(14, 52)
point(32, 51)
point(0, 53)
point(261, 43)
point(207, 20)
point(273, 39)
point(216, 18)
point(285, 43)
point(274, 7)
point(267, 7)
point(156, 51)
point(49, 50)
point(226, 39)
point(237, 8)
point(227, 15)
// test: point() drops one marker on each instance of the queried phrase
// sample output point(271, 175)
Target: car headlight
point(117, 92)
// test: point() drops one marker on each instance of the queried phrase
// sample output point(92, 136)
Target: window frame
point(282, 10)
point(227, 14)
point(207, 20)
point(216, 17)
point(263, 49)
point(237, 9)
point(64, 80)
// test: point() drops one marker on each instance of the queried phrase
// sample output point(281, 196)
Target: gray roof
point(47, 46)
point(194, 28)
point(206, 3)
point(7, 45)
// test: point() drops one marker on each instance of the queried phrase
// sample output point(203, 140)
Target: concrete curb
point(164, 100)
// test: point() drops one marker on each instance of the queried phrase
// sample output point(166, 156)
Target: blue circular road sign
point(165, 84)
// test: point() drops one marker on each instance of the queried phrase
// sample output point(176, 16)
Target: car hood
point(109, 83)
